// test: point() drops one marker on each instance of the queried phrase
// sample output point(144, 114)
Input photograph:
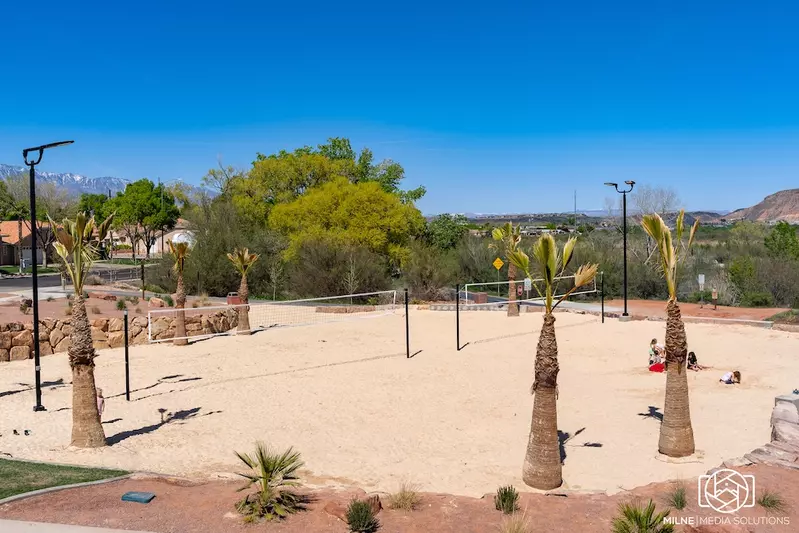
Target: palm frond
point(242, 259)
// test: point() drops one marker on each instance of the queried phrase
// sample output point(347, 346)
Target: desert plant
point(676, 432)
point(95, 310)
point(507, 242)
point(179, 252)
point(361, 518)
point(168, 300)
point(85, 295)
point(516, 523)
point(407, 498)
point(137, 310)
point(121, 306)
point(274, 475)
point(635, 518)
point(76, 246)
point(542, 465)
point(772, 502)
point(24, 307)
point(676, 497)
point(94, 279)
point(242, 261)
point(506, 499)
point(50, 299)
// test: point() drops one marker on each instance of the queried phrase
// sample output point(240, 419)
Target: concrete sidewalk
point(10, 526)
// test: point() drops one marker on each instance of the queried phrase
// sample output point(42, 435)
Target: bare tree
point(219, 178)
point(351, 277)
point(647, 200)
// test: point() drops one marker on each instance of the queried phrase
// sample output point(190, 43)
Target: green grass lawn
point(17, 477)
point(13, 269)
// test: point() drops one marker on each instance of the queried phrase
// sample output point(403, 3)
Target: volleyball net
point(211, 321)
point(496, 295)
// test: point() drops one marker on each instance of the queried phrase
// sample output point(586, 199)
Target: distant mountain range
point(783, 205)
point(74, 183)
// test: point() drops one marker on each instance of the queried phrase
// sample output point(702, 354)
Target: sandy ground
point(208, 508)
point(658, 308)
point(453, 421)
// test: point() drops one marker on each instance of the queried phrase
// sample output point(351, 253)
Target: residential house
point(9, 239)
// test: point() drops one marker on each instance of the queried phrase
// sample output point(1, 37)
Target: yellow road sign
point(498, 263)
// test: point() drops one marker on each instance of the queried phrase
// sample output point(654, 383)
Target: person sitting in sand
point(731, 378)
point(656, 357)
point(100, 402)
point(693, 364)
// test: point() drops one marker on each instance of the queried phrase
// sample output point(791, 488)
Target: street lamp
point(624, 230)
point(34, 263)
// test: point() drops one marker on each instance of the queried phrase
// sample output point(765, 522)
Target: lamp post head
point(41, 150)
point(630, 182)
point(609, 184)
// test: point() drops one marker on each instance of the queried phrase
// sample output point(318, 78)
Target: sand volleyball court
point(361, 413)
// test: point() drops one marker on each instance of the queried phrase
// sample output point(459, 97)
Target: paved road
point(9, 526)
point(22, 283)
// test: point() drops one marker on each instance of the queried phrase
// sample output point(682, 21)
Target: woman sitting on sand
point(656, 356)
point(730, 378)
point(693, 364)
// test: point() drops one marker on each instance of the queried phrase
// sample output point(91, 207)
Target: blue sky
point(500, 106)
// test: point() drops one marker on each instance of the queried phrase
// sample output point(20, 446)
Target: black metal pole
point(127, 361)
point(142, 279)
point(34, 274)
point(602, 293)
point(624, 223)
point(407, 329)
point(458, 317)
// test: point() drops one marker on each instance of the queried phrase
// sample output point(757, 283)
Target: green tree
point(77, 248)
point(345, 213)
point(676, 432)
point(142, 210)
point(782, 242)
point(95, 204)
point(445, 231)
point(542, 463)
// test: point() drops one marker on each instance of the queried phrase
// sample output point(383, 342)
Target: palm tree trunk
point(513, 307)
point(87, 431)
point(180, 319)
point(244, 310)
point(542, 465)
point(676, 433)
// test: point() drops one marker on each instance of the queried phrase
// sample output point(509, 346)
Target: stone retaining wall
point(16, 338)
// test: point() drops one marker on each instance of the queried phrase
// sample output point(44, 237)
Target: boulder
point(160, 326)
point(15, 326)
point(55, 337)
point(115, 324)
point(784, 432)
point(99, 336)
point(156, 302)
point(140, 321)
point(66, 329)
point(5, 340)
point(20, 353)
point(28, 326)
point(24, 338)
point(134, 330)
point(102, 296)
point(337, 510)
point(786, 412)
point(194, 327)
point(49, 323)
point(45, 348)
point(374, 503)
point(116, 339)
point(62, 346)
point(100, 323)
point(44, 335)
point(4, 355)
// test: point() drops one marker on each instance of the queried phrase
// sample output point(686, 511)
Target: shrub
point(772, 502)
point(428, 272)
point(634, 518)
point(95, 310)
point(757, 299)
point(94, 279)
point(138, 310)
point(85, 295)
point(407, 498)
point(676, 497)
point(518, 523)
point(24, 307)
point(699, 296)
point(50, 298)
point(154, 288)
point(506, 499)
point(121, 304)
point(134, 300)
point(275, 477)
point(361, 518)
point(169, 301)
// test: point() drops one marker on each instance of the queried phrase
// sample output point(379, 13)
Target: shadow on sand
point(176, 417)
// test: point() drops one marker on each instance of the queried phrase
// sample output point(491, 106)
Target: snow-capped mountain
point(74, 183)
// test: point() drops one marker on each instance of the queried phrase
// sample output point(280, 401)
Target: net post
point(407, 328)
point(127, 360)
point(458, 317)
point(602, 293)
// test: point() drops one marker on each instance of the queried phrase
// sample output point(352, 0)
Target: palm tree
point(275, 478)
point(76, 246)
point(179, 253)
point(676, 433)
point(243, 260)
point(542, 465)
point(507, 241)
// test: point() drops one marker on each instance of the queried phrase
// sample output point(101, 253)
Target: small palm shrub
point(407, 498)
point(121, 304)
point(506, 499)
point(634, 518)
point(772, 502)
point(275, 477)
point(361, 518)
point(676, 497)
